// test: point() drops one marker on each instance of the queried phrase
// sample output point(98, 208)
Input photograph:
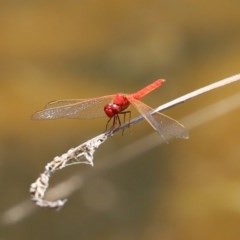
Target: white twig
point(84, 152)
point(199, 91)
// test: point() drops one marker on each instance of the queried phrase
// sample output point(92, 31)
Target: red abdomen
point(141, 93)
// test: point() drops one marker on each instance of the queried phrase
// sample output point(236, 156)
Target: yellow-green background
point(78, 49)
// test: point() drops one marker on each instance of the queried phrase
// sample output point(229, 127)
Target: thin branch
point(80, 154)
point(84, 152)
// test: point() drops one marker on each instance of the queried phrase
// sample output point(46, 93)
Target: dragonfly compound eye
point(112, 109)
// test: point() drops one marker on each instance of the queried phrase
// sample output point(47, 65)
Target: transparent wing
point(163, 124)
point(74, 108)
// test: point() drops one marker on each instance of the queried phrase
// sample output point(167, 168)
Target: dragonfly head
point(111, 109)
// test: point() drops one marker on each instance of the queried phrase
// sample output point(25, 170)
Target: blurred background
point(49, 50)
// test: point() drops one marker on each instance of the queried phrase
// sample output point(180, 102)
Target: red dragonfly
point(114, 105)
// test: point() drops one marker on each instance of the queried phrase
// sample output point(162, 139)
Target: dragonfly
point(112, 106)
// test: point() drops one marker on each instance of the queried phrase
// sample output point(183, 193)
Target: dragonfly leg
point(109, 120)
point(124, 118)
point(116, 121)
point(129, 117)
